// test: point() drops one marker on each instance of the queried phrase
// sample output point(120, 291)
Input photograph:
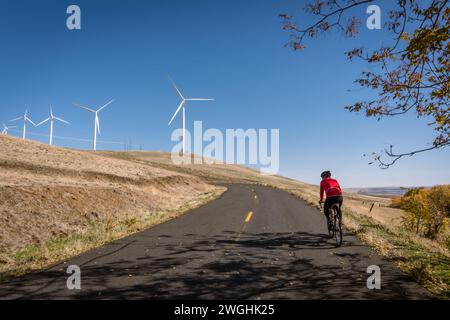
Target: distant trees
point(427, 210)
point(412, 74)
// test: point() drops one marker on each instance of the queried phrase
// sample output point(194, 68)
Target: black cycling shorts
point(330, 201)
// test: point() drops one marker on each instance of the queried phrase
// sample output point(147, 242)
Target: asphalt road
point(221, 251)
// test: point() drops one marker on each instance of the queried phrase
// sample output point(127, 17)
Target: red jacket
point(330, 187)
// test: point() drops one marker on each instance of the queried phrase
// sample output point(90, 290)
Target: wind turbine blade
point(175, 87)
point(30, 121)
point(199, 99)
point(86, 108)
point(16, 119)
point(176, 112)
point(105, 105)
point(51, 112)
point(59, 119)
point(42, 122)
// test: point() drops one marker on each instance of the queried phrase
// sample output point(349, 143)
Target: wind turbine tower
point(25, 119)
point(182, 107)
point(96, 122)
point(52, 119)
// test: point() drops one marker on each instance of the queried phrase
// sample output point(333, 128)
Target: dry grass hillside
point(48, 194)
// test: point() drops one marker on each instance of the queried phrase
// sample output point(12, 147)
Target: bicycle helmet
point(325, 174)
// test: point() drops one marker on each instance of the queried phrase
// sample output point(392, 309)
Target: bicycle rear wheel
point(331, 227)
point(337, 226)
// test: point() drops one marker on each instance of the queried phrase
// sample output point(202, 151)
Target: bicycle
point(336, 223)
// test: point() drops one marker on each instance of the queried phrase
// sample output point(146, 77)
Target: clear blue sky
point(230, 50)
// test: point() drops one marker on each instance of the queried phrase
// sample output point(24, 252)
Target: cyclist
point(333, 192)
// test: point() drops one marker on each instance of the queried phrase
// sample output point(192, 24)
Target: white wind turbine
point(6, 128)
point(182, 107)
point(25, 119)
point(52, 119)
point(96, 122)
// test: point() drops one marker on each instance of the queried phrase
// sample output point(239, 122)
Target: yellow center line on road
point(249, 216)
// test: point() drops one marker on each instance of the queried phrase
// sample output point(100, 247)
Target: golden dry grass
point(50, 194)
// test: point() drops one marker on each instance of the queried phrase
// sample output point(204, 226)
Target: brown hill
point(49, 193)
